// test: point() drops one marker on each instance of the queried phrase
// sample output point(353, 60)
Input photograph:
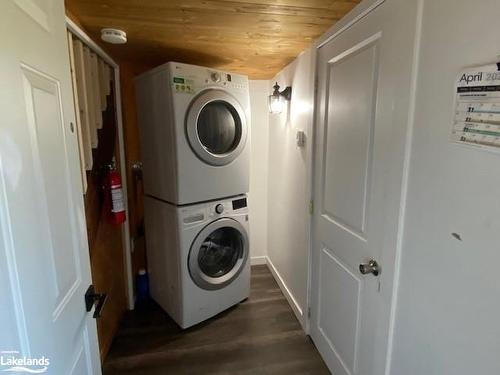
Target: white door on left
point(44, 258)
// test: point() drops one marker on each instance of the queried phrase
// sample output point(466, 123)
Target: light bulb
point(275, 104)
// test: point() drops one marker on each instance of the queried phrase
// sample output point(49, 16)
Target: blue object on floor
point(142, 286)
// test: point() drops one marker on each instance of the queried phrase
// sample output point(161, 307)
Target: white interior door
point(364, 77)
point(44, 264)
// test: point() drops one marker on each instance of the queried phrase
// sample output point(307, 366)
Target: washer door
point(216, 127)
point(218, 254)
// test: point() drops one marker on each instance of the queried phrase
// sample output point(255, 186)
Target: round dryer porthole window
point(218, 254)
point(216, 127)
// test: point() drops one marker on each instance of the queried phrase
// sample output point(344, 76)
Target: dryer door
point(218, 254)
point(216, 127)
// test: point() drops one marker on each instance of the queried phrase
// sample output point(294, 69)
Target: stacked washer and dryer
point(194, 125)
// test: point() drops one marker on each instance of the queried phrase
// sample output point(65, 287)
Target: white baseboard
point(289, 296)
point(254, 261)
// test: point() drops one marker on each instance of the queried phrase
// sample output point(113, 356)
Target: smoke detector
point(114, 36)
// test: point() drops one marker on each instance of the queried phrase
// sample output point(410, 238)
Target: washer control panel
point(193, 217)
point(218, 209)
point(205, 212)
point(239, 203)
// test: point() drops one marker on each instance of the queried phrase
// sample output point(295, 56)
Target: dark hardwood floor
point(259, 336)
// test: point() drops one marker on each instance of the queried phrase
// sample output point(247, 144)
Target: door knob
point(370, 267)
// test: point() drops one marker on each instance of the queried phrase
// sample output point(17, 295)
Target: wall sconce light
point(277, 98)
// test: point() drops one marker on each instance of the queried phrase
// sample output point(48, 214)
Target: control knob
point(219, 208)
point(215, 77)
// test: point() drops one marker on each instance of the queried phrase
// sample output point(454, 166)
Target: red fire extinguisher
point(116, 194)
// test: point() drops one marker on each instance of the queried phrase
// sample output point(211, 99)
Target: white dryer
point(198, 258)
point(194, 124)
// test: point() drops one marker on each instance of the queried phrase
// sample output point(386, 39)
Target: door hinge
point(311, 206)
point(308, 312)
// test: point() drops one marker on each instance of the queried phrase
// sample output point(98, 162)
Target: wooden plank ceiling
point(254, 37)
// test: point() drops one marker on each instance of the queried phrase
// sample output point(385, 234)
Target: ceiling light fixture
point(277, 98)
point(114, 36)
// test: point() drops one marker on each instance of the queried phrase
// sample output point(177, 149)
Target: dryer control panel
point(190, 79)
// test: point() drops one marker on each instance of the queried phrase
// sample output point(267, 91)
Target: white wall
point(288, 200)
point(447, 319)
point(257, 196)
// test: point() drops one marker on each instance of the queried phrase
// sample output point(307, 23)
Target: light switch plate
point(301, 138)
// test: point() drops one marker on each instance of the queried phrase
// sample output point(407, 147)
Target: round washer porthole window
point(218, 254)
point(216, 127)
point(220, 251)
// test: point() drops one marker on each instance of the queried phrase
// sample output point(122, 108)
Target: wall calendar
point(477, 107)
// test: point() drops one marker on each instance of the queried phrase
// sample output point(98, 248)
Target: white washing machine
point(198, 258)
point(195, 133)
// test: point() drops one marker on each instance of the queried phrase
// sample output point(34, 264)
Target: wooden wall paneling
point(90, 96)
point(105, 238)
point(83, 108)
point(108, 277)
point(107, 247)
point(78, 125)
point(254, 37)
point(96, 84)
